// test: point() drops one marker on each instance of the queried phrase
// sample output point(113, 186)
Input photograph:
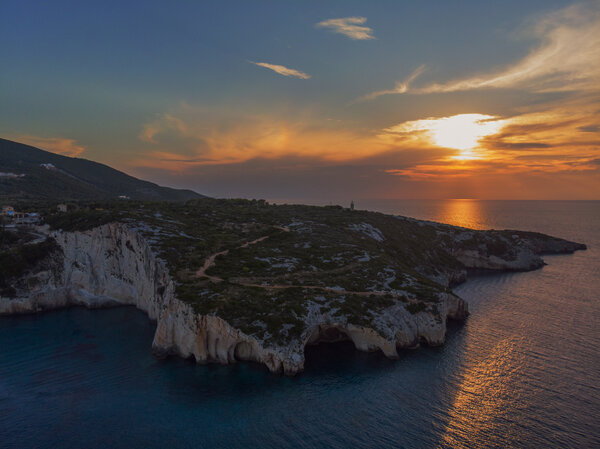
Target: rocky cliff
point(228, 282)
point(114, 265)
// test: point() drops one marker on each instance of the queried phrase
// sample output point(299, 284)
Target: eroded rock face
point(523, 250)
point(109, 265)
point(525, 261)
point(180, 331)
point(113, 265)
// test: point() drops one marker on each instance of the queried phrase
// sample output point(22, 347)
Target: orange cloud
point(209, 138)
point(164, 123)
point(432, 172)
point(541, 142)
point(66, 147)
point(463, 145)
point(444, 170)
point(564, 129)
point(561, 138)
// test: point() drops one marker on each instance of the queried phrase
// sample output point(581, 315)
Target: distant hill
point(28, 173)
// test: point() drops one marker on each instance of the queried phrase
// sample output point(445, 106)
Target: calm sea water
point(523, 371)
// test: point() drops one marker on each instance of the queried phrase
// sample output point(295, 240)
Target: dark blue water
point(524, 371)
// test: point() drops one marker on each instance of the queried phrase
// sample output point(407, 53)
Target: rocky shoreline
point(114, 265)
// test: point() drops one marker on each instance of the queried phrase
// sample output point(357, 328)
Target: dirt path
point(210, 261)
point(253, 242)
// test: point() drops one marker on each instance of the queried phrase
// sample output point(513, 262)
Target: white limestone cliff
point(114, 265)
point(524, 261)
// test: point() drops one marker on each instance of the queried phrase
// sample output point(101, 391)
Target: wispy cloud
point(349, 26)
point(567, 59)
point(589, 129)
point(58, 145)
point(161, 124)
point(441, 171)
point(282, 70)
point(399, 88)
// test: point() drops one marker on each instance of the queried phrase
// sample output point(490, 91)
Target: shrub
point(416, 307)
point(16, 261)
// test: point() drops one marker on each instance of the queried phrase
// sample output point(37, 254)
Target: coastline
point(132, 274)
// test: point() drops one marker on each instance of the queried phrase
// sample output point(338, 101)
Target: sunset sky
point(314, 100)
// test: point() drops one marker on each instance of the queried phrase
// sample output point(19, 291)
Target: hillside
point(60, 178)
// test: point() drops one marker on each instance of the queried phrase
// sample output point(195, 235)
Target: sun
point(460, 132)
point(463, 131)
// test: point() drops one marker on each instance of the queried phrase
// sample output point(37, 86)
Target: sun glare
point(463, 131)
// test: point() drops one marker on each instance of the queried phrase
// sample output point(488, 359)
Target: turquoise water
point(523, 371)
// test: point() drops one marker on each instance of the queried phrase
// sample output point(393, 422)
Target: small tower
point(352, 205)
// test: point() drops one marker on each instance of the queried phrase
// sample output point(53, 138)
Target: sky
point(314, 100)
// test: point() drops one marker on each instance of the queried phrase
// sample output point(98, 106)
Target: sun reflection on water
point(462, 212)
point(480, 405)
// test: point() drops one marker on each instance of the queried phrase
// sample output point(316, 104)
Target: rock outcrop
point(107, 266)
point(525, 261)
point(509, 250)
point(114, 265)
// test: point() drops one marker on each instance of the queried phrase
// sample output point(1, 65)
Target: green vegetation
point(81, 219)
point(316, 255)
point(416, 307)
point(358, 309)
point(18, 258)
point(280, 263)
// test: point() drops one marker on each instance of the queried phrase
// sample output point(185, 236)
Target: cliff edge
point(227, 309)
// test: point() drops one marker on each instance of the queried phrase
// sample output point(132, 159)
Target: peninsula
point(244, 280)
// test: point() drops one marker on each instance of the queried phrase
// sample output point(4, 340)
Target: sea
point(523, 371)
